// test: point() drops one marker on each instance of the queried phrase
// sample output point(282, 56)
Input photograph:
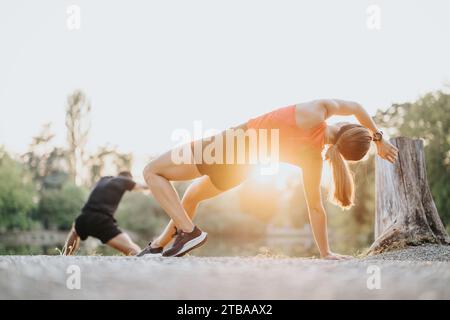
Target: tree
point(96, 164)
point(107, 159)
point(427, 118)
point(78, 126)
point(47, 164)
point(16, 194)
point(405, 210)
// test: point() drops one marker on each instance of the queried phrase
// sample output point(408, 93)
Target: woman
point(303, 133)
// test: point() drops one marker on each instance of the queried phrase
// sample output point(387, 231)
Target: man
point(97, 216)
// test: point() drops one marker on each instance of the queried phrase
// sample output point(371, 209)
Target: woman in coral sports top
point(296, 134)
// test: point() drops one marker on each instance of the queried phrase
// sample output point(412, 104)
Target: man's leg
point(199, 190)
point(72, 243)
point(124, 244)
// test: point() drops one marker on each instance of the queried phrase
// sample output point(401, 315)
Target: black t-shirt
point(107, 193)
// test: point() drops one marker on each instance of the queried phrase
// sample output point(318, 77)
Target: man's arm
point(140, 187)
point(346, 108)
point(72, 243)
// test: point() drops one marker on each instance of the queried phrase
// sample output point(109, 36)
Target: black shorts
point(96, 224)
point(223, 175)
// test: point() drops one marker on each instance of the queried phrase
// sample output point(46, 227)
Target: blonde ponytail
point(343, 189)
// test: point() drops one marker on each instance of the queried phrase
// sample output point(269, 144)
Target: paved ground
point(44, 277)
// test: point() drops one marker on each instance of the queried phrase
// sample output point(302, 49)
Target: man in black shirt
point(97, 216)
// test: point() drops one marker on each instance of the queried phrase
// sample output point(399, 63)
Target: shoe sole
point(204, 235)
point(153, 255)
point(191, 245)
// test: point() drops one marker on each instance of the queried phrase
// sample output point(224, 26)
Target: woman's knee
point(150, 172)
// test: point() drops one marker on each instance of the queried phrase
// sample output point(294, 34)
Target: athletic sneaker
point(185, 242)
point(148, 250)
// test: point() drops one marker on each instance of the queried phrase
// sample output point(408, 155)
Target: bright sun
point(286, 173)
point(281, 178)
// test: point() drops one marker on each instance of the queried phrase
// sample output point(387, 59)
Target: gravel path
point(429, 252)
point(416, 273)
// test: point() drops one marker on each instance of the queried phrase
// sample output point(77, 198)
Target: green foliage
point(58, 208)
point(140, 213)
point(16, 195)
point(427, 118)
point(45, 163)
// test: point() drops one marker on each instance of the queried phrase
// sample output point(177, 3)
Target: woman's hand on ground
point(336, 256)
point(387, 151)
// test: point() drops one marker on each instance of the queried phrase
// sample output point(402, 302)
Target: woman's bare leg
point(199, 190)
point(124, 244)
point(158, 175)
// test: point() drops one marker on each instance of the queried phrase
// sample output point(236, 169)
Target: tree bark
point(405, 211)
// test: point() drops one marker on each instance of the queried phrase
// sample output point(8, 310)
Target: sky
point(151, 67)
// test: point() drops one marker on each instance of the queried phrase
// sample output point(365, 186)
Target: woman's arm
point(312, 172)
point(336, 107)
point(346, 108)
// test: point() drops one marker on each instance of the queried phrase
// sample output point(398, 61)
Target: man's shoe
point(149, 251)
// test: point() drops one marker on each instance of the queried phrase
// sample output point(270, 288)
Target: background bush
point(58, 208)
point(16, 195)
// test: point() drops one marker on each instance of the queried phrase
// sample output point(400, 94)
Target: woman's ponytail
point(343, 189)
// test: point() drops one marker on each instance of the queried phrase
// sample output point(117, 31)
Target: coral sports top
point(293, 141)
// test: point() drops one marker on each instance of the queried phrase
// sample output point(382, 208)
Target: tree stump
point(405, 211)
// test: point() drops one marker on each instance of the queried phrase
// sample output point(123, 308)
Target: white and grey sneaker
point(185, 242)
point(149, 251)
